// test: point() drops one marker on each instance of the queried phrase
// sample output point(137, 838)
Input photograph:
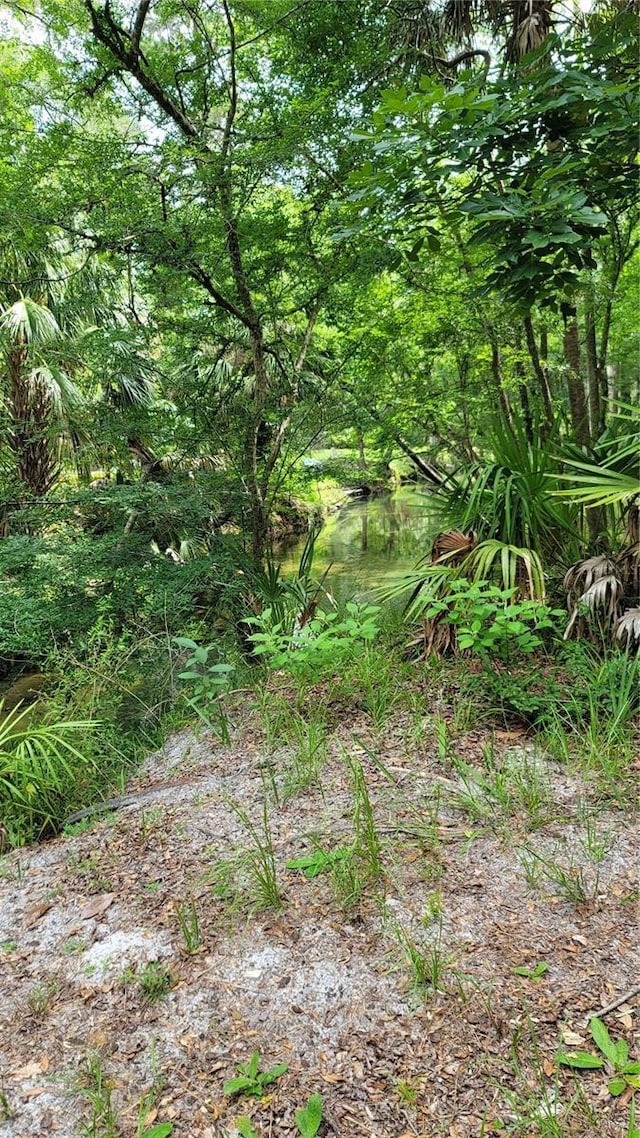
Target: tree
point(38, 393)
point(535, 168)
point(219, 198)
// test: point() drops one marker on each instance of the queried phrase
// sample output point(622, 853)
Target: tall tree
point(536, 168)
point(203, 163)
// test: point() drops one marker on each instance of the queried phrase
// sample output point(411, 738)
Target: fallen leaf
point(30, 1070)
point(548, 1067)
point(572, 1039)
point(97, 906)
point(35, 912)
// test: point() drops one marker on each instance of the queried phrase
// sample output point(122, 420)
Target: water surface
point(369, 544)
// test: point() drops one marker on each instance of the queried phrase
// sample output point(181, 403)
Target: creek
point(369, 543)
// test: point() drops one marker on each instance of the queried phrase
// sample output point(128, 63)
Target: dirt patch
point(387, 982)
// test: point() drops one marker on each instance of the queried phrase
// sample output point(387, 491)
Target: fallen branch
point(616, 1003)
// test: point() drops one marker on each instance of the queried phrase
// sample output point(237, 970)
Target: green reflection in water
point(369, 543)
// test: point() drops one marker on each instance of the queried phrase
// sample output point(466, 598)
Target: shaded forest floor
point(139, 970)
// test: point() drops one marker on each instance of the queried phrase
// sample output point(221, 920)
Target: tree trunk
point(540, 371)
point(596, 407)
point(496, 371)
point(29, 409)
point(362, 462)
point(462, 361)
point(544, 345)
point(524, 399)
point(420, 463)
point(256, 484)
point(575, 384)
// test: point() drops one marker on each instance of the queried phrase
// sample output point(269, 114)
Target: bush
point(326, 641)
point(574, 687)
point(56, 589)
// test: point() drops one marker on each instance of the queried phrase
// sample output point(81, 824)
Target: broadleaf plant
point(614, 1056)
point(252, 1081)
point(308, 1119)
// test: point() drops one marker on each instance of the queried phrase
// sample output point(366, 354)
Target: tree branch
point(141, 16)
point(113, 37)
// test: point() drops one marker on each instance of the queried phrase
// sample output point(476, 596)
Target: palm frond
point(28, 322)
point(595, 485)
point(58, 387)
point(452, 545)
point(595, 594)
point(519, 568)
point(627, 629)
point(584, 574)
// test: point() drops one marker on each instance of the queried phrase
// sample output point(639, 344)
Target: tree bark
point(498, 380)
point(420, 463)
point(540, 372)
point(596, 407)
point(29, 408)
point(523, 392)
point(575, 383)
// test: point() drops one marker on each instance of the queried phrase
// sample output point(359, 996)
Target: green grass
point(154, 981)
point(259, 862)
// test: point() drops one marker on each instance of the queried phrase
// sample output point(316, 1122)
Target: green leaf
point(252, 1066)
point(162, 1130)
point(312, 864)
point(245, 1127)
point(581, 1059)
point(237, 1085)
point(617, 1085)
point(274, 1073)
point(309, 1118)
point(603, 1040)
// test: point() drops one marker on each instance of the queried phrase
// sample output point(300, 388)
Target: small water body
point(370, 543)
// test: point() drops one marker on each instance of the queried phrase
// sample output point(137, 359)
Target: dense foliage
point(234, 234)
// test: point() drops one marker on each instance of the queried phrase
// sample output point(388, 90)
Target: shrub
point(328, 639)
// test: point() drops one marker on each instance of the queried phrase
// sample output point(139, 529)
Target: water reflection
point(370, 543)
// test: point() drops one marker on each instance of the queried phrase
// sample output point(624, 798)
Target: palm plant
point(594, 596)
point(626, 630)
point(599, 587)
point(52, 304)
point(428, 28)
point(508, 498)
point(39, 392)
point(506, 521)
point(39, 762)
point(611, 477)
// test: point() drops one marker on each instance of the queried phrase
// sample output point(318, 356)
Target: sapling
point(251, 1080)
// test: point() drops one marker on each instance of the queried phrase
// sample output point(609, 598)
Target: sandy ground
point(324, 984)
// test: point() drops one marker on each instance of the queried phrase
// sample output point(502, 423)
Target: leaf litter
point(430, 1001)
